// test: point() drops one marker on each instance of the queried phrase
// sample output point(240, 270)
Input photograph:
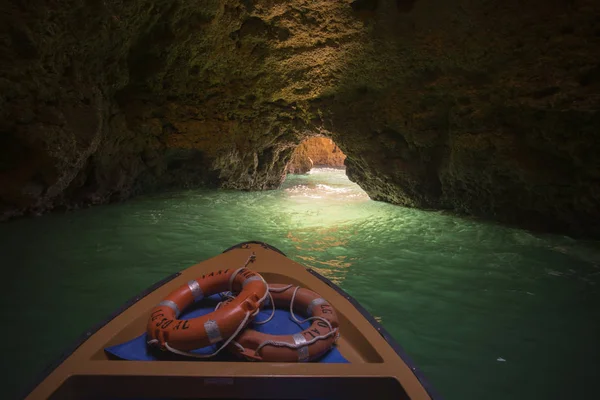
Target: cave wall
point(323, 152)
point(484, 107)
point(488, 108)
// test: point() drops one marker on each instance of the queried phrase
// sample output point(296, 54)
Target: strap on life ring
point(165, 330)
point(303, 346)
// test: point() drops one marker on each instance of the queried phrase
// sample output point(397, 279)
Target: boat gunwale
point(399, 350)
point(70, 350)
point(263, 244)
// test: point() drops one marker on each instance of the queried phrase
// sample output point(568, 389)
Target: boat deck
point(375, 367)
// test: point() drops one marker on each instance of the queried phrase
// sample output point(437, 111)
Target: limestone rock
point(487, 108)
point(315, 151)
point(323, 152)
point(300, 162)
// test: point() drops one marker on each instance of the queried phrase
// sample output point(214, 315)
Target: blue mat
point(281, 324)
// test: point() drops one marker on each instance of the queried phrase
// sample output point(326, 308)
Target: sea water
point(486, 311)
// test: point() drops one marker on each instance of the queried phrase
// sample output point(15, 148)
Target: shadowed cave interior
point(487, 109)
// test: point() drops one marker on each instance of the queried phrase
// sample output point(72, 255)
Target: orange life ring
point(165, 330)
point(303, 346)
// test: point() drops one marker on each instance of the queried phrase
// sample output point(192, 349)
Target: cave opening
point(448, 113)
point(316, 152)
point(316, 172)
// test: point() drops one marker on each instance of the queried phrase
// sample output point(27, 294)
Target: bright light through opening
point(324, 197)
point(328, 185)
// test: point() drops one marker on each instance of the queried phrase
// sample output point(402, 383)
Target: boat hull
point(377, 365)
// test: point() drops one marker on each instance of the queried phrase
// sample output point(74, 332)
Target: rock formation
point(300, 162)
point(489, 108)
point(315, 151)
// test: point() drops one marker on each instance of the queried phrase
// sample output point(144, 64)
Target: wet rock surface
point(485, 108)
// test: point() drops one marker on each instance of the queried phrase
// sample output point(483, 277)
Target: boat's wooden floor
point(374, 369)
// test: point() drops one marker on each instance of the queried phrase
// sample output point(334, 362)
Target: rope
point(235, 334)
point(227, 295)
point(276, 290)
point(294, 346)
point(224, 295)
point(279, 290)
point(307, 319)
point(194, 355)
point(232, 278)
point(272, 313)
point(239, 346)
point(250, 259)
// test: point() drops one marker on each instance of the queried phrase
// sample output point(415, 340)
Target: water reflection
point(323, 217)
point(457, 293)
point(338, 189)
point(318, 251)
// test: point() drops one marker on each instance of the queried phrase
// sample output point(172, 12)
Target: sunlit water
point(487, 312)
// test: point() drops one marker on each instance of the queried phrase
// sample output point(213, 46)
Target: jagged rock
point(487, 108)
point(300, 163)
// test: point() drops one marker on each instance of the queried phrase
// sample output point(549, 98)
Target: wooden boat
point(376, 366)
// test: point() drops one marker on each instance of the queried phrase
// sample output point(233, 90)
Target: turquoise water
point(487, 312)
